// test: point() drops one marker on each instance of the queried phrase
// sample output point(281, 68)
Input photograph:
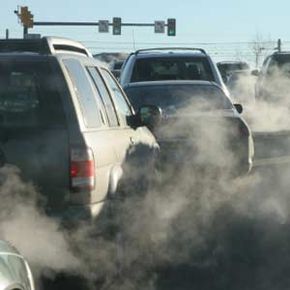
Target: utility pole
point(279, 45)
point(7, 33)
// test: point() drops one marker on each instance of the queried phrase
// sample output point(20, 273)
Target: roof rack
point(171, 48)
point(44, 45)
point(282, 52)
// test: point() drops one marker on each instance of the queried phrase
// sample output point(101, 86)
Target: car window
point(119, 99)
point(83, 87)
point(173, 97)
point(169, 68)
point(104, 95)
point(28, 95)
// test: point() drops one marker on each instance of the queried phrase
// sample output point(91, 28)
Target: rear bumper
point(243, 153)
point(74, 214)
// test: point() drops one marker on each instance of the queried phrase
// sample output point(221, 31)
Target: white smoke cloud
point(23, 223)
point(192, 215)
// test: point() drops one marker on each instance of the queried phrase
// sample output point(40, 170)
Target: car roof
point(281, 52)
point(167, 54)
point(34, 57)
point(172, 83)
point(47, 45)
point(232, 62)
point(23, 55)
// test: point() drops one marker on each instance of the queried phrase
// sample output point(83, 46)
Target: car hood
point(204, 114)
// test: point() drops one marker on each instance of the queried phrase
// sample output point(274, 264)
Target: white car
point(15, 273)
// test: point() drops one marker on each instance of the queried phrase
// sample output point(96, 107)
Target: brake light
point(82, 169)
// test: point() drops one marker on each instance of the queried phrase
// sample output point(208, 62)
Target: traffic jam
point(158, 168)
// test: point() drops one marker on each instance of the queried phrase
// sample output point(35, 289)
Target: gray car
point(273, 80)
point(67, 125)
point(226, 68)
point(15, 273)
point(171, 63)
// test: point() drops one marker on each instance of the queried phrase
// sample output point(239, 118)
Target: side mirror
point(239, 108)
point(255, 72)
point(150, 115)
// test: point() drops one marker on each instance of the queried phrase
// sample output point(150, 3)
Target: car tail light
point(82, 169)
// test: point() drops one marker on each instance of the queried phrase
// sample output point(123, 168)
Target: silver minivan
point(68, 126)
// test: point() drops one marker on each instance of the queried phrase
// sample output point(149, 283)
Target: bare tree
point(260, 47)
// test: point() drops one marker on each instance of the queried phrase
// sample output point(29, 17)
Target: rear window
point(233, 66)
point(28, 95)
point(279, 63)
point(173, 97)
point(169, 68)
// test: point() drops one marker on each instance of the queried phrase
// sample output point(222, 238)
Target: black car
point(197, 116)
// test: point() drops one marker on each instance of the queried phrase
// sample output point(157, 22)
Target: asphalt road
point(246, 246)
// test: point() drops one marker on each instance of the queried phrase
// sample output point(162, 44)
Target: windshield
point(169, 68)
point(280, 64)
point(179, 96)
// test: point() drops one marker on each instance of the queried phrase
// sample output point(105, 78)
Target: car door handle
point(132, 140)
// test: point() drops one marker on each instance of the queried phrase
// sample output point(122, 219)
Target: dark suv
point(226, 68)
point(175, 63)
point(66, 123)
point(274, 78)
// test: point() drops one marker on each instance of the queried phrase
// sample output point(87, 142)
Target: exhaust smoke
point(197, 227)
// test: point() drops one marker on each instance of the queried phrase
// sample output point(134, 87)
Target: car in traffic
point(226, 68)
point(67, 125)
point(15, 273)
point(115, 68)
point(190, 111)
point(241, 85)
point(169, 63)
point(274, 78)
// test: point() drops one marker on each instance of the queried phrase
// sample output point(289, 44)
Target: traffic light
point(171, 27)
point(117, 25)
point(26, 17)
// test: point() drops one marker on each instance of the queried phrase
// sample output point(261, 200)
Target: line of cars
point(270, 82)
point(266, 91)
point(70, 128)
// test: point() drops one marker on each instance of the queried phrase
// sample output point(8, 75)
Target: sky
point(197, 21)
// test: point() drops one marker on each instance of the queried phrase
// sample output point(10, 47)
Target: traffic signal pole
point(41, 23)
point(171, 28)
point(26, 18)
point(25, 31)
